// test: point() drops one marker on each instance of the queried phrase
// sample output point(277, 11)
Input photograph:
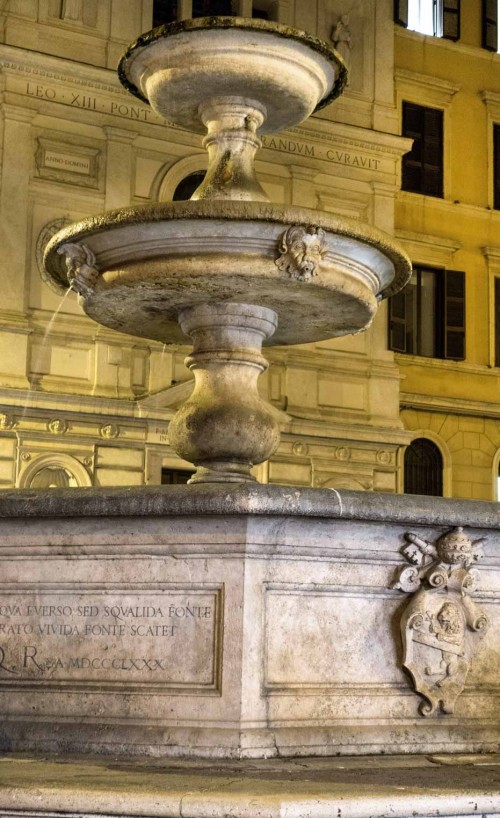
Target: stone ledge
point(368, 787)
point(244, 499)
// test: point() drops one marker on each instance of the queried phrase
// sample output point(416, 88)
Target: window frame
point(439, 274)
point(429, 92)
point(426, 168)
point(445, 13)
point(446, 304)
point(440, 476)
point(492, 258)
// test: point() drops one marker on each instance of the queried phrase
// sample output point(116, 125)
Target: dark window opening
point(423, 165)
point(260, 14)
point(164, 11)
point(489, 32)
point(427, 317)
point(423, 468)
point(496, 167)
point(497, 321)
point(212, 8)
point(175, 477)
point(187, 187)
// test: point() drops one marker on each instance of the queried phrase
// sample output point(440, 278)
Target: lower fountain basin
point(323, 279)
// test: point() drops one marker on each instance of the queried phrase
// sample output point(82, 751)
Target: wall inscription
point(339, 156)
point(165, 638)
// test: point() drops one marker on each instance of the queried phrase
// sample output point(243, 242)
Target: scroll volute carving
point(441, 625)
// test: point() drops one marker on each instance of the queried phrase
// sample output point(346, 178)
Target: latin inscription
point(89, 102)
point(155, 637)
point(340, 157)
point(64, 161)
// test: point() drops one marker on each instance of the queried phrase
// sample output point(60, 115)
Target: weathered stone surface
point(286, 625)
point(415, 786)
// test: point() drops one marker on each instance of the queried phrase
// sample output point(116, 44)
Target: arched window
point(188, 185)
point(423, 468)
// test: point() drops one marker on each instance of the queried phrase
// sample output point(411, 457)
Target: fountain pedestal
point(225, 427)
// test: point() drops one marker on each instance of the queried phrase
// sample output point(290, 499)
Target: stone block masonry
point(244, 621)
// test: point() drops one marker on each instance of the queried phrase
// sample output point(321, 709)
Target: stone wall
point(248, 621)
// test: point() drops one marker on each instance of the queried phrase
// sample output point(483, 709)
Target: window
point(188, 185)
point(497, 321)
point(423, 468)
point(427, 318)
point(175, 477)
point(165, 11)
point(207, 8)
point(439, 18)
point(496, 167)
point(423, 165)
point(489, 34)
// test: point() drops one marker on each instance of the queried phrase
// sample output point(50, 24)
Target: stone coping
point(200, 24)
point(351, 787)
point(213, 211)
point(247, 499)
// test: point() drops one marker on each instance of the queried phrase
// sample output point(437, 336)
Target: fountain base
point(226, 621)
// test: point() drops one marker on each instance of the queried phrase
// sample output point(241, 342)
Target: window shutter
point(496, 167)
point(401, 12)
point(497, 321)
point(490, 25)
point(454, 315)
point(451, 19)
point(397, 322)
point(433, 152)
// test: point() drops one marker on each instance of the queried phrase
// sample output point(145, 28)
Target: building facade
point(82, 405)
point(446, 331)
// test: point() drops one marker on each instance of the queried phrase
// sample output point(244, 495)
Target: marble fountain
point(227, 618)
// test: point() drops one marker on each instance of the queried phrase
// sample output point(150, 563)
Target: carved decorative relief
point(109, 431)
point(44, 236)
point(302, 250)
point(6, 421)
point(300, 449)
point(441, 625)
point(57, 426)
point(342, 453)
point(80, 265)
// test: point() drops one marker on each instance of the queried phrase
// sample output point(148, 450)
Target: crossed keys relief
point(441, 625)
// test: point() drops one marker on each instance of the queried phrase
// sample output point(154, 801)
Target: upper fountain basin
point(138, 268)
point(284, 72)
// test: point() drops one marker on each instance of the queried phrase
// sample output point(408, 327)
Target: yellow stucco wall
point(456, 402)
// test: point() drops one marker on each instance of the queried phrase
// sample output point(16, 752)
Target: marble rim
point(226, 210)
point(245, 24)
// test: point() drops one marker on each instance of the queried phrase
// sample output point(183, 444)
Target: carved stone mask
point(302, 251)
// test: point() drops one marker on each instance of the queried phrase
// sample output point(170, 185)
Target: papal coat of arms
point(441, 624)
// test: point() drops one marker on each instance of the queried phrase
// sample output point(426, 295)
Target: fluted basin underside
point(321, 274)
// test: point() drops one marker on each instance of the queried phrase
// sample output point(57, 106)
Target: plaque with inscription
point(120, 637)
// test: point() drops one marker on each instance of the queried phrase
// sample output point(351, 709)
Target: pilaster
point(119, 158)
point(14, 227)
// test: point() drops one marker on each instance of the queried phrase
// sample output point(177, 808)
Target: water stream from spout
point(46, 334)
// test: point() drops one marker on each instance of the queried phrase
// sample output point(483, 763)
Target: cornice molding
point(442, 91)
point(449, 406)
